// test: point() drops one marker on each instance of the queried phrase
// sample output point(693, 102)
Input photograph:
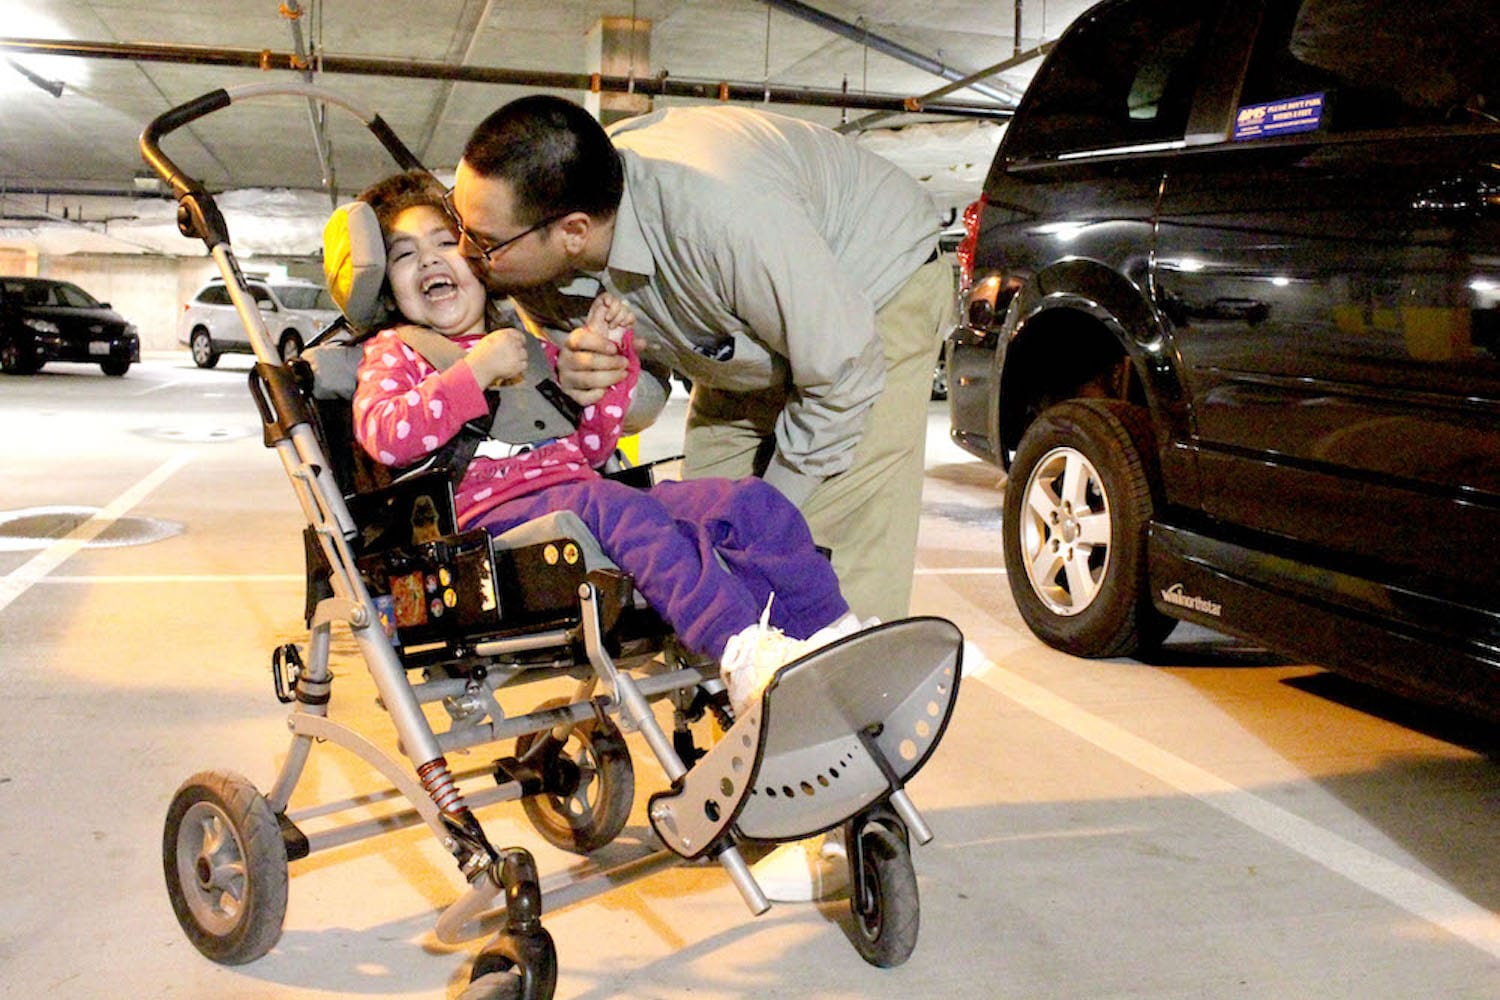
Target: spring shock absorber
point(466, 837)
point(437, 782)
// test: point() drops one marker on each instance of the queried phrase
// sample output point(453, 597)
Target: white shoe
point(751, 658)
point(846, 625)
point(804, 871)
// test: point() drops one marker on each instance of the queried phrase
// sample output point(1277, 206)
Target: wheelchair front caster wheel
point(883, 898)
point(514, 968)
point(598, 785)
point(225, 864)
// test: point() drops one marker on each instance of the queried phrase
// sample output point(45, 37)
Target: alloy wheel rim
point(1065, 531)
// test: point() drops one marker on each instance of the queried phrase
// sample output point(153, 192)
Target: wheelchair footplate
point(836, 733)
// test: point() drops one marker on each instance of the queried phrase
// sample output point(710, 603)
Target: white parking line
point(158, 387)
point(181, 578)
point(962, 571)
point(1412, 891)
point(19, 580)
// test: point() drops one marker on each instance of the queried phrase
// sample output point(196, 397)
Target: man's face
point(520, 256)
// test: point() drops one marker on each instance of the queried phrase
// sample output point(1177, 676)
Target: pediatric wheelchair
point(442, 616)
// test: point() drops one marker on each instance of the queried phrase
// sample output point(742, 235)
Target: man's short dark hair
point(553, 154)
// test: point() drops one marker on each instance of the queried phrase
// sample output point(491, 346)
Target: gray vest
point(535, 409)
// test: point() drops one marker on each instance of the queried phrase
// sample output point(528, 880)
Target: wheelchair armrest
point(644, 476)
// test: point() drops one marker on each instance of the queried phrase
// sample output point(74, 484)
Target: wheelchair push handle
point(198, 216)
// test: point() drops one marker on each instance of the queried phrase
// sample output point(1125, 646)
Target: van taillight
point(968, 245)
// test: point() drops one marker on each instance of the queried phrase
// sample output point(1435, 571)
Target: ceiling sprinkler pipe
point(658, 86)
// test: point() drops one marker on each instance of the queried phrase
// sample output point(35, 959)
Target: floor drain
point(39, 527)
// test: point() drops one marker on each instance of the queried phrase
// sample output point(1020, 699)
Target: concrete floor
point(1219, 824)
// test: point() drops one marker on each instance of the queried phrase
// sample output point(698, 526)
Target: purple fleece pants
point(667, 537)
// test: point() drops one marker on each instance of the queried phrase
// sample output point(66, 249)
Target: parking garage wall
point(149, 291)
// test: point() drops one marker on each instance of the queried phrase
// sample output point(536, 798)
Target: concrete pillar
point(618, 46)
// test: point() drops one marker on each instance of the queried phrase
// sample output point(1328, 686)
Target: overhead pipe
point(435, 117)
point(53, 87)
point(885, 45)
point(658, 86)
point(292, 11)
point(860, 124)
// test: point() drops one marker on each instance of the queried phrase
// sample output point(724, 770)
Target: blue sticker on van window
point(1292, 114)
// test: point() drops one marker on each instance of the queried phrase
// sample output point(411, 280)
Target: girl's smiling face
point(431, 281)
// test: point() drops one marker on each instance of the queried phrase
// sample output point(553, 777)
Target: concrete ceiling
point(61, 152)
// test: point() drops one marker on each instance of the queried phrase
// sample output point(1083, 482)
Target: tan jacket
point(755, 249)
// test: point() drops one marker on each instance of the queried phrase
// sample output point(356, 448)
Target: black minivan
point(1233, 327)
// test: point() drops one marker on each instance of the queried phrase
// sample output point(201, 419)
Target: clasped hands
point(589, 359)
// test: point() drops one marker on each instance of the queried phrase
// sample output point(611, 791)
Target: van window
point(1123, 76)
point(1379, 64)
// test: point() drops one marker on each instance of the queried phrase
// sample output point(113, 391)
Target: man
point(790, 274)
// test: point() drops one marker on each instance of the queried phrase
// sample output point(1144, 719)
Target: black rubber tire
point(887, 915)
point(496, 975)
point(493, 986)
point(226, 867)
point(1104, 609)
point(598, 810)
point(15, 359)
point(940, 380)
point(114, 368)
point(202, 347)
point(290, 345)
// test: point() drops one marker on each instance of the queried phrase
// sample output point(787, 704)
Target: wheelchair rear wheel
point(596, 785)
point(226, 867)
point(886, 909)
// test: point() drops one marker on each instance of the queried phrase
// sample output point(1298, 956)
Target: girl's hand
point(498, 359)
point(610, 317)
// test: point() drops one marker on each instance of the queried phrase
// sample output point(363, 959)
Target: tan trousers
point(868, 515)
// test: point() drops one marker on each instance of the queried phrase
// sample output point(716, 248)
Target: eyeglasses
point(488, 252)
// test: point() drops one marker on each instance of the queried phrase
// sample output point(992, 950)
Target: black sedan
point(42, 320)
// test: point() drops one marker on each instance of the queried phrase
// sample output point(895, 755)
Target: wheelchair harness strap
point(532, 410)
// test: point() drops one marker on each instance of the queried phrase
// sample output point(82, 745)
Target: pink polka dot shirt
point(405, 409)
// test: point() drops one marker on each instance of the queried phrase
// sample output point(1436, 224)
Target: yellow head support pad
point(354, 264)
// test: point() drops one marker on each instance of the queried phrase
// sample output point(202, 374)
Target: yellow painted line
point(19, 580)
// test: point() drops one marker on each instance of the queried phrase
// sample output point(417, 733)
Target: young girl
point(671, 539)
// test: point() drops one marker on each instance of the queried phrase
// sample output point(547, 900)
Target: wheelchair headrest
point(354, 265)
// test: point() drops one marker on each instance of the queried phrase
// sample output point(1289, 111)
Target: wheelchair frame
point(226, 846)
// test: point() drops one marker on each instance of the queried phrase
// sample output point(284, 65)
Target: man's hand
point(499, 358)
point(587, 364)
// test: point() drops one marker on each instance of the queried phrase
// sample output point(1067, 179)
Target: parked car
point(1234, 331)
point(295, 312)
point(42, 320)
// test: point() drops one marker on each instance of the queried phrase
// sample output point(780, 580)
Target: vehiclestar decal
point(1174, 595)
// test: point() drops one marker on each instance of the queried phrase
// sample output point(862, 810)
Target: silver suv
point(294, 310)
